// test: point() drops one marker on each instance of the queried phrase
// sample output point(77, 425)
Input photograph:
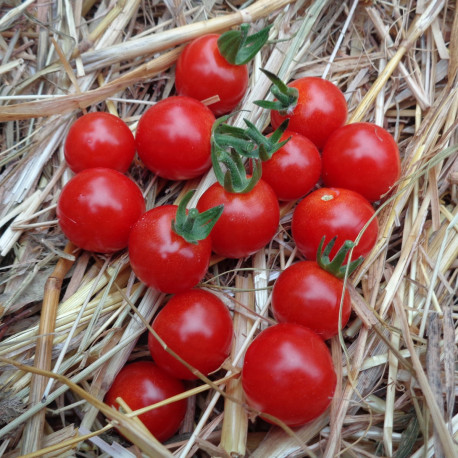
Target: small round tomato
point(197, 326)
point(248, 222)
point(173, 138)
point(97, 209)
point(321, 109)
point(142, 384)
point(362, 157)
point(288, 373)
point(202, 72)
point(306, 294)
point(163, 259)
point(99, 139)
point(294, 169)
point(333, 212)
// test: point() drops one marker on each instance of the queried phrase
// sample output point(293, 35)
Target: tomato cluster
point(288, 374)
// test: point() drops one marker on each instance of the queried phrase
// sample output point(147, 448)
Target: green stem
point(336, 266)
point(286, 96)
point(192, 225)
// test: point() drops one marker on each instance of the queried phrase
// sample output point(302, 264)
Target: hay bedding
point(397, 64)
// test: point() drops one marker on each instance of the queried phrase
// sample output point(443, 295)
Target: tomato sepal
point(267, 146)
point(286, 96)
point(238, 48)
point(226, 136)
point(336, 266)
point(235, 178)
point(193, 225)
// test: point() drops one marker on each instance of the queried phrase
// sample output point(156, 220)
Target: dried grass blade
point(33, 431)
point(416, 29)
point(74, 102)
point(446, 439)
point(235, 420)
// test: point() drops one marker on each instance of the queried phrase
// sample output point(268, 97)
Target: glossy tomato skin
point(143, 383)
point(333, 212)
point(294, 169)
point(288, 373)
point(162, 259)
point(248, 222)
point(98, 207)
point(306, 294)
point(197, 326)
point(362, 157)
point(173, 138)
point(99, 139)
point(202, 72)
point(321, 109)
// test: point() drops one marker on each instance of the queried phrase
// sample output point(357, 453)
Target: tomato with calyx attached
point(143, 383)
point(170, 247)
point(334, 212)
point(173, 138)
point(202, 72)
point(215, 65)
point(97, 209)
point(316, 110)
point(288, 374)
point(99, 139)
point(249, 220)
point(306, 294)
point(197, 326)
point(362, 157)
point(294, 169)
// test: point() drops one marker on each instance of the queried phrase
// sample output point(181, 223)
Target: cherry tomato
point(99, 140)
point(197, 326)
point(333, 212)
point(294, 169)
point(362, 157)
point(173, 138)
point(306, 294)
point(202, 72)
point(321, 109)
point(142, 384)
point(161, 258)
point(248, 222)
point(288, 373)
point(97, 209)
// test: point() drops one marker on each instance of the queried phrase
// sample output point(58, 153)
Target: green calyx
point(238, 48)
point(266, 146)
point(286, 96)
point(192, 225)
point(336, 267)
point(228, 145)
point(250, 142)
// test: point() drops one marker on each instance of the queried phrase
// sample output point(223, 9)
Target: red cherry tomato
point(161, 258)
point(142, 384)
point(294, 169)
point(202, 72)
point(97, 209)
point(173, 138)
point(99, 140)
point(333, 212)
point(248, 222)
point(288, 373)
point(321, 109)
point(362, 157)
point(306, 294)
point(197, 326)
